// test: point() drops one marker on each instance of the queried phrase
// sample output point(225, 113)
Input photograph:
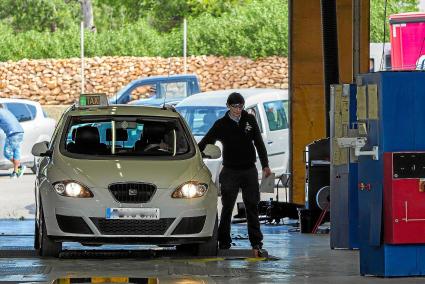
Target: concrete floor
point(294, 258)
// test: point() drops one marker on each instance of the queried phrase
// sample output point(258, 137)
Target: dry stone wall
point(58, 82)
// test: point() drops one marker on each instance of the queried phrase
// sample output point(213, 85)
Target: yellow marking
point(255, 259)
point(109, 280)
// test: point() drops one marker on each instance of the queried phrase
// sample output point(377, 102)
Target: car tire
point(45, 246)
point(209, 248)
point(36, 236)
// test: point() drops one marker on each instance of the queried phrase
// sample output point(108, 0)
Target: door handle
point(269, 142)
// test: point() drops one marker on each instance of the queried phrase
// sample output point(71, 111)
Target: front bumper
point(84, 219)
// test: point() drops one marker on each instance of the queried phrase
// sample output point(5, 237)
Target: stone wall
point(58, 82)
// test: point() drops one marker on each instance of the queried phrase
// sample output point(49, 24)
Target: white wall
point(376, 54)
point(422, 5)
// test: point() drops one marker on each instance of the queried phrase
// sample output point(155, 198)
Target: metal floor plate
point(17, 252)
point(23, 270)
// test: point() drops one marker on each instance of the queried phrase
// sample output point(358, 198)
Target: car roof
point(9, 100)
point(219, 97)
point(122, 110)
point(164, 78)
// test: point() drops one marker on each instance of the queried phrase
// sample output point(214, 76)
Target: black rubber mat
point(231, 254)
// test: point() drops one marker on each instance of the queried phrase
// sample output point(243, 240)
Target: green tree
point(39, 15)
point(378, 19)
point(167, 14)
point(115, 14)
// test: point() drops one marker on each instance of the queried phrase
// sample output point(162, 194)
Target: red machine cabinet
point(404, 198)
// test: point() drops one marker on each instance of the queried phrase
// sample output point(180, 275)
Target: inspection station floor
point(293, 258)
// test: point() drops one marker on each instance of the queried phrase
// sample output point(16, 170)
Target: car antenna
point(166, 85)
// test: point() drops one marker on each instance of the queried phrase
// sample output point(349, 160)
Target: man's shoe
point(14, 175)
point(21, 170)
point(257, 251)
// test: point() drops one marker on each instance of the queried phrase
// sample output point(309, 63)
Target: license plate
point(133, 213)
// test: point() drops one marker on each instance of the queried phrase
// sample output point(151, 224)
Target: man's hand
point(267, 171)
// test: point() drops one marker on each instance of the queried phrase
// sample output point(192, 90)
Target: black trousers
point(230, 182)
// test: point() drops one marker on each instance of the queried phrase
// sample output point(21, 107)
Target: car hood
point(101, 173)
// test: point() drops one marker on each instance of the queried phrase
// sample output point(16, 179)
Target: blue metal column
point(399, 127)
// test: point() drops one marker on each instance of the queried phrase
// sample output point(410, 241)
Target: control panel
point(404, 197)
point(408, 165)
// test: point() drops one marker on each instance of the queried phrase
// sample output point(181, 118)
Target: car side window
point(276, 115)
point(174, 89)
point(143, 92)
point(20, 111)
point(254, 111)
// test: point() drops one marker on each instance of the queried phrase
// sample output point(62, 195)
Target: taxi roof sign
point(88, 100)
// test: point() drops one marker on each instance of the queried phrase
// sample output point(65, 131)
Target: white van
point(270, 107)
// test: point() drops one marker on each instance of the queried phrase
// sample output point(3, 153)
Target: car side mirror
point(212, 151)
point(41, 149)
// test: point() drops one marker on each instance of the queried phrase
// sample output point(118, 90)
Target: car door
point(26, 119)
point(276, 134)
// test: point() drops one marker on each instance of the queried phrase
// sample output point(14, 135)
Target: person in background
point(238, 131)
point(14, 136)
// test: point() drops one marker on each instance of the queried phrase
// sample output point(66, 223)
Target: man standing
point(14, 136)
point(238, 131)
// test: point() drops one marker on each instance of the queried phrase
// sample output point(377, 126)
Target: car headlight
point(72, 189)
point(190, 189)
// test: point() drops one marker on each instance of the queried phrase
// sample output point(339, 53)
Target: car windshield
point(126, 136)
point(201, 118)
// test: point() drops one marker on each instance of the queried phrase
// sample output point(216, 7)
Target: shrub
point(256, 30)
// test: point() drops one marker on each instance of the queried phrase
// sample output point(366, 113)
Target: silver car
point(37, 128)
point(124, 174)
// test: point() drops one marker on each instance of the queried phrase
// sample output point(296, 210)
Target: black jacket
point(237, 140)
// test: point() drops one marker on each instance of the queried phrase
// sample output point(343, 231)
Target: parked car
point(37, 128)
point(161, 89)
point(270, 108)
point(124, 174)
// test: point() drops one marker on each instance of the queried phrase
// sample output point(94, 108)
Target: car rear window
point(20, 111)
point(126, 136)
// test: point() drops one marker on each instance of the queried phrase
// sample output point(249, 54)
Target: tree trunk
point(87, 12)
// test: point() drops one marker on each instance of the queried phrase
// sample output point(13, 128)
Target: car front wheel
point(209, 248)
point(45, 245)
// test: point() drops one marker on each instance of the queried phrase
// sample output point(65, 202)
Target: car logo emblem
point(132, 192)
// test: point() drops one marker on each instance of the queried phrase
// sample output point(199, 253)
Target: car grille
point(132, 227)
point(132, 192)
